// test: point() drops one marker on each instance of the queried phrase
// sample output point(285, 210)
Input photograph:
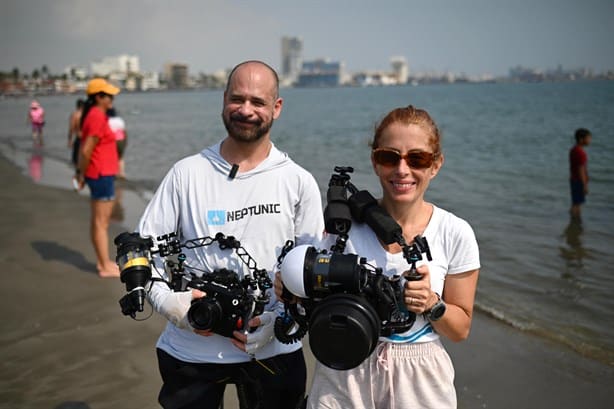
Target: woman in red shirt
point(98, 165)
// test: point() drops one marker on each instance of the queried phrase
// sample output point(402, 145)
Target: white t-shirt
point(118, 126)
point(262, 208)
point(454, 250)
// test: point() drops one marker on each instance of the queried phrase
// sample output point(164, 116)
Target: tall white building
point(400, 69)
point(291, 58)
point(117, 66)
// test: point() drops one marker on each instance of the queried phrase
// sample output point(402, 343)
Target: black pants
point(279, 385)
point(75, 151)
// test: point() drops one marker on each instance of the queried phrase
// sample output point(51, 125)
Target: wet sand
point(64, 343)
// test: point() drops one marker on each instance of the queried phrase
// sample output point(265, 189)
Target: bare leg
point(575, 211)
point(99, 229)
point(122, 174)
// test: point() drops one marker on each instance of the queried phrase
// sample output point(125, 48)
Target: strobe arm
point(259, 278)
point(135, 261)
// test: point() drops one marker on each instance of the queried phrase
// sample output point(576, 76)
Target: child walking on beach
point(36, 117)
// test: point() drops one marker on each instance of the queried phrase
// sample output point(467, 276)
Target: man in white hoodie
point(244, 187)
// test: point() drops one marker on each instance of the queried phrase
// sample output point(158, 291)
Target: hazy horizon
point(474, 37)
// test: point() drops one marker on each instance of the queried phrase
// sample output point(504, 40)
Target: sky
point(472, 37)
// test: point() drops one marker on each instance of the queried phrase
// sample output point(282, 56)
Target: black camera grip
point(365, 209)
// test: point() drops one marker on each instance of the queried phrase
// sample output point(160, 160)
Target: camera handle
point(413, 253)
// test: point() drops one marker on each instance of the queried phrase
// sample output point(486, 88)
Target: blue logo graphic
point(216, 217)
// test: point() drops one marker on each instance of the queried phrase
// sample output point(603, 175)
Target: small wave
point(501, 316)
point(595, 352)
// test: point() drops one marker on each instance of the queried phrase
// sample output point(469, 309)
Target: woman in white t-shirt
point(410, 369)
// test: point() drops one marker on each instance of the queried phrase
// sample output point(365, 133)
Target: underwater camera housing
point(226, 307)
point(229, 301)
point(345, 303)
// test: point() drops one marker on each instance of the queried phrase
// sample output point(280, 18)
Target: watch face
point(437, 311)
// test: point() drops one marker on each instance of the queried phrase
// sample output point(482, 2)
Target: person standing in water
point(578, 171)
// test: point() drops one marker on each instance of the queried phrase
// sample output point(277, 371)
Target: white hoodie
point(263, 208)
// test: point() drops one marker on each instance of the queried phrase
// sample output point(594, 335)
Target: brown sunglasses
point(392, 157)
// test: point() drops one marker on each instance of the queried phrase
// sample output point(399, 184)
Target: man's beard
point(241, 134)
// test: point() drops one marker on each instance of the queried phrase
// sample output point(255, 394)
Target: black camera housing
point(226, 307)
point(229, 301)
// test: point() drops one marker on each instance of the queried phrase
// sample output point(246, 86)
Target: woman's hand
point(80, 181)
point(418, 295)
point(458, 294)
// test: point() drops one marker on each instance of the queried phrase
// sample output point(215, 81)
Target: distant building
point(74, 72)
point(374, 79)
point(291, 59)
point(176, 75)
point(150, 80)
point(119, 66)
point(320, 73)
point(400, 69)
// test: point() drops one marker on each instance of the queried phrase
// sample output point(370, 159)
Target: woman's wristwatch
point(437, 310)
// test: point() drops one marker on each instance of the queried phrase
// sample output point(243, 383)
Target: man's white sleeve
point(161, 216)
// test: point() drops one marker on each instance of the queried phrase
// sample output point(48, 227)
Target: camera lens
point(204, 313)
point(336, 319)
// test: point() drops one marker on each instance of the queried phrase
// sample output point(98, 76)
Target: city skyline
point(474, 37)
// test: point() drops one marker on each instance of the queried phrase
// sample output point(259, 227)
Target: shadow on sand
point(51, 251)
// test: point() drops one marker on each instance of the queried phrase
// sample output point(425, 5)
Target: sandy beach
point(64, 343)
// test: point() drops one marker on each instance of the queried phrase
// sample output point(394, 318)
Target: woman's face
point(104, 102)
point(402, 183)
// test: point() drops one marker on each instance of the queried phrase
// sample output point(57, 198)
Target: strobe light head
point(309, 273)
point(133, 254)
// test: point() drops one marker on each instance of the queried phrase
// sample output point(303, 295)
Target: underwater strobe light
point(133, 255)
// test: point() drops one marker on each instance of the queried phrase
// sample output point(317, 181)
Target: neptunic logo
point(221, 217)
point(216, 217)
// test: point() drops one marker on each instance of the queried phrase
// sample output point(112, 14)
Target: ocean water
point(506, 172)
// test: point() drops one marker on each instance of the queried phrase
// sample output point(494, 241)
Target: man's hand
point(252, 341)
point(175, 307)
point(204, 332)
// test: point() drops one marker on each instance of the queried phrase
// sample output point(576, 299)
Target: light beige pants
point(394, 376)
